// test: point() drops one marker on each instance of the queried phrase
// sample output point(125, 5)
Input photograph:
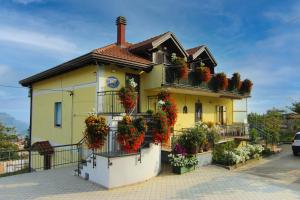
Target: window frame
point(57, 125)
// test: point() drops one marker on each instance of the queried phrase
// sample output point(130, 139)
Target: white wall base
point(125, 170)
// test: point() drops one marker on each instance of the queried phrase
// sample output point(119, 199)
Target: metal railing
point(225, 131)
point(169, 78)
point(108, 102)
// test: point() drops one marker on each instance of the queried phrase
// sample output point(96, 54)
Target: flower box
point(182, 170)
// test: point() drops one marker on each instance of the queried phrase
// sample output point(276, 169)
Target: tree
point(269, 124)
point(7, 147)
point(295, 107)
point(272, 122)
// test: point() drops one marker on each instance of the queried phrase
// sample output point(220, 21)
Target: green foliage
point(191, 140)
point(254, 136)
point(7, 147)
point(295, 107)
point(219, 149)
point(150, 112)
point(269, 123)
point(213, 137)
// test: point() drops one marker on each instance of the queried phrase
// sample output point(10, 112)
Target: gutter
point(30, 128)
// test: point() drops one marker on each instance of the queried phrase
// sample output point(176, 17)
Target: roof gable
point(156, 41)
point(195, 52)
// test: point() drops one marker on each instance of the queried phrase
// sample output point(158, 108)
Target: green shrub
point(254, 136)
point(219, 152)
point(191, 140)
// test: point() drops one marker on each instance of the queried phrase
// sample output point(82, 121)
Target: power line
point(11, 86)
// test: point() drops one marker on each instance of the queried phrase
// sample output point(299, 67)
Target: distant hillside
point(10, 121)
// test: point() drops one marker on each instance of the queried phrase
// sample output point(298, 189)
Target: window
point(185, 109)
point(221, 114)
point(198, 111)
point(57, 114)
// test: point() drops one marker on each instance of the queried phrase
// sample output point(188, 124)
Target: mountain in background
point(10, 121)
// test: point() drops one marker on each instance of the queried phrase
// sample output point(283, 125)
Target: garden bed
point(232, 167)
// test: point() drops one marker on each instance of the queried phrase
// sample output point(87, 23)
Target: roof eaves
point(67, 66)
point(79, 62)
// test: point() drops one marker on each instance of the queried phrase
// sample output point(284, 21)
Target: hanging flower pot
point(160, 130)
point(168, 105)
point(128, 96)
point(131, 134)
point(246, 86)
point(96, 131)
point(221, 81)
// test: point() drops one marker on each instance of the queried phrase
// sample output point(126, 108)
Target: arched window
point(185, 109)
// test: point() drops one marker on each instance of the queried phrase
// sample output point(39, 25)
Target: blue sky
point(260, 39)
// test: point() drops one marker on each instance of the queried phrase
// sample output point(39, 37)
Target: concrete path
point(282, 168)
point(251, 182)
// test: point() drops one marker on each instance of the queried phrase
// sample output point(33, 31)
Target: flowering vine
point(128, 96)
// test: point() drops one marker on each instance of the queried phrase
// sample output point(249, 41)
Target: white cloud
point(25, 2)
point(292, 15)
point(36, 39)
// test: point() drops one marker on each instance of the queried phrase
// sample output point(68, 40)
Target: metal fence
point(17, 161)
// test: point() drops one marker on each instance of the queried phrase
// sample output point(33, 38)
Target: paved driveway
point(205, 183)
point(282, 168)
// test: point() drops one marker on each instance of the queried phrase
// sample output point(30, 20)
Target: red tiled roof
point(43, 147)
point(194, 50)
point(116, 51)
point(146, 42)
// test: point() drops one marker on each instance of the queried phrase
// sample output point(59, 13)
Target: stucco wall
point(74, 107)
point(208, 106)
point(125, 170)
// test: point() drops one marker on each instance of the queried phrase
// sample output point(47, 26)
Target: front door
point(198, 111)
point(136, 79)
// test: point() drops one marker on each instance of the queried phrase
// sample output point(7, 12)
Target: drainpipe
point(30, 127)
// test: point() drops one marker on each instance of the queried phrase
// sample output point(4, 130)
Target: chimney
point(121, 23)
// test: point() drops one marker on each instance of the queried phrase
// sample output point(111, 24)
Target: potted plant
point(96, 131)
point(128, 96)
point(168, 105)
point(246, 86)
point(161, 130)
point(204, 74)
point(180, 68)
point(182, 163)
point(131, 134)
point(220, 81)
point(235, 81)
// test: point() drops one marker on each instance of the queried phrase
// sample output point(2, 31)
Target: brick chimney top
point(121, 23)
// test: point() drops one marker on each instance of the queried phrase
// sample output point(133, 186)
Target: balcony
point(189, 85)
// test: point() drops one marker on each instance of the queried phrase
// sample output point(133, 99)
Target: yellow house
point(62, 97)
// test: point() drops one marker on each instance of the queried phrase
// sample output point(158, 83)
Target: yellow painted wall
point(83, 84)
point(209, 104)
point(45, 93)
